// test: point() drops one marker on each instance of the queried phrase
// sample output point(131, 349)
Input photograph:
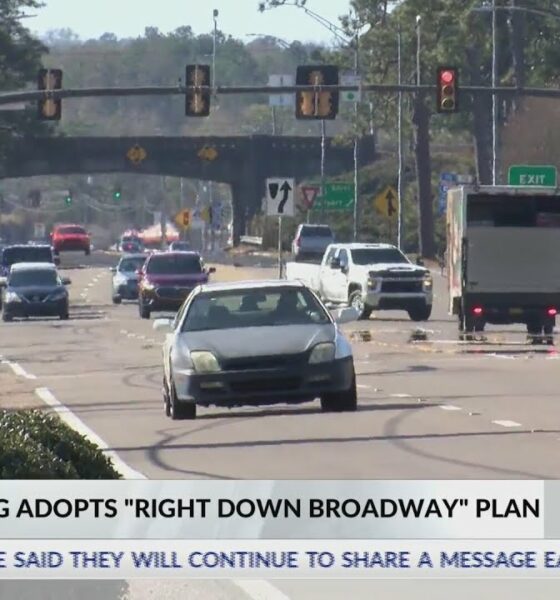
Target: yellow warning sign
point(386, 203)
point(183, 219)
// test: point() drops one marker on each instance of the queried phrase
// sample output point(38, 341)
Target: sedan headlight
point(60, 295)
point(12, 297)
point(372, 282)
point(146, 285)
point(120, 279)
point(205, 362)
point(322, 353)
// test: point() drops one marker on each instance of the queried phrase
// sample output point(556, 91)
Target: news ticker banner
point(274, 529)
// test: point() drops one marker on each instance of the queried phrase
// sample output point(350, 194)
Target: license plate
point(515, 311)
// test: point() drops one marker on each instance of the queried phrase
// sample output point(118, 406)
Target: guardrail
point(251, 240)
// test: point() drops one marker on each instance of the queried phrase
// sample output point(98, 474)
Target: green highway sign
point(532, 175)
point(338, 196)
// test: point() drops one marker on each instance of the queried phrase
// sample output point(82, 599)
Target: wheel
point(143, 310)
point(117, 299)
point(166, 399)
point(87, 252)
point(64, 316)
point(355, 301)
point(7, 318)
point(420, 313)
point(341, 401)
point(180, 411)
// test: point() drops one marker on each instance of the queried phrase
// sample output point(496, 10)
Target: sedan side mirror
point(113, 269)
point(66, 281)
point(162, 324)
point(3, 282)
point(346, 315)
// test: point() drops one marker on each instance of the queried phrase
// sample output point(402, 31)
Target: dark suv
point(166, 280)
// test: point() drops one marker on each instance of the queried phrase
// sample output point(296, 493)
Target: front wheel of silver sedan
point(180, 411)
point(346, 401)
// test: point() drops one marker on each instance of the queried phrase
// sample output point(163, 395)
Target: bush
point(35, 445)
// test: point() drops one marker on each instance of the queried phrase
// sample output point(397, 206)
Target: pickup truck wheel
point(420, 313)
point(356, 301)
point(117, 299)
point(143, 310)
point(346, 401)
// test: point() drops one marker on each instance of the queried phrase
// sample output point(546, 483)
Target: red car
point(70, 237)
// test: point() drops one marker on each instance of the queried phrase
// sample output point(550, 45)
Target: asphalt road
point(435, 409)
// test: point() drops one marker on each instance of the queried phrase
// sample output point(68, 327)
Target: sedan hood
point(188, 279)
point(30, 290)
point(258, 341)
point(396, 268)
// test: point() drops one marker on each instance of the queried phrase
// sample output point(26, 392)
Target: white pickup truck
point(368, 277)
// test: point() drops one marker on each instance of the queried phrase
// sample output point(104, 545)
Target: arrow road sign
point(280, 197)
point(309, 193)
point(386, 203)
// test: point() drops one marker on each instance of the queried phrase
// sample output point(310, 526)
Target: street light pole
point(356, 144)
point(494, 96)
point(215, 14)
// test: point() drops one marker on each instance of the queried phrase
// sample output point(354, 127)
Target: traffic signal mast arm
point(24, 96)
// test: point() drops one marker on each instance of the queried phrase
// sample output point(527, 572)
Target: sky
point(128, 18)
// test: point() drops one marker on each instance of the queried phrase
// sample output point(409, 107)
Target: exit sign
point(532, 175)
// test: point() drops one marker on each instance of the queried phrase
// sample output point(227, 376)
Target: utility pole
point(356, 144)
point(323, 203)
point(400, 150)
point(494, 95)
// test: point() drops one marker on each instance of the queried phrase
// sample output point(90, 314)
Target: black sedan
point(34, 290)
point(256, 343)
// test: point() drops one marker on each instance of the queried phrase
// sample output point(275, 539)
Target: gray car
point(125, 279)
point(311, 241)
point(256, 343)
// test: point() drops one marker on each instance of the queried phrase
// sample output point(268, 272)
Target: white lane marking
point(400, 396)
point(449, 407)
point(506, 356)
point(90, 284)
point(506, 423)
point(19, 370)
point(76, 423)
point(143, 337)
point(124, 331)
point(362, 386)
point(131, 335)
point(259, 589)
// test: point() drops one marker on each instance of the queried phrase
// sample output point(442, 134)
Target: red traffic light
point(447, 77)
point(447, 90)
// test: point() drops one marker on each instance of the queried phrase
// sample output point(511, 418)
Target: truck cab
point(369, 277)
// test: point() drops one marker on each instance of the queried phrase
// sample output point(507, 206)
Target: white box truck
point(503, 257)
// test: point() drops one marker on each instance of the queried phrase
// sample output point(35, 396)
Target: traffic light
point(447, 89)
point(316, 104)
point(68, 198)
point(117, 193)
point(49, 108)
point(197, 101)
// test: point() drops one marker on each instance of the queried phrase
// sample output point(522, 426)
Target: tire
point(7, 318)
point(143, 310)
point(117, 300)
point(355, 301)
point(87, 252)
point(180, 411)
point(166, 399)
point(346, 401)
point(64, 316)
point(420, 313)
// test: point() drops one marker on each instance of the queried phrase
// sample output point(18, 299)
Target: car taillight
point(551, 312)
point(477, 310)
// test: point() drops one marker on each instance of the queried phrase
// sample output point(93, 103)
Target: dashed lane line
point(449, 407)
point(400, 396)
point(506, 423)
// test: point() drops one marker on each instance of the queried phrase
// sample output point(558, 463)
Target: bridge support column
point(239, 193)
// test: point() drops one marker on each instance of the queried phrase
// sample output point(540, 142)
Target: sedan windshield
point(130, 265)
point(373, 256)
point(38, 277)
point(174, 264)
point(254, 308)
point(11, 256)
